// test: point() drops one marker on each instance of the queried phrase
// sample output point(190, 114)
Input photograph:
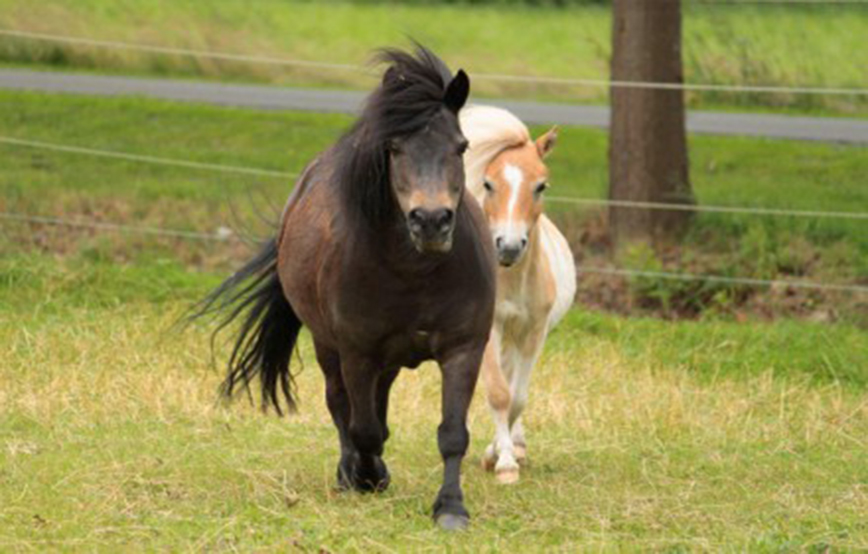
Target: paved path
point(279, 98)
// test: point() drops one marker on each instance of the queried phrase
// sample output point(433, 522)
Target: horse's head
point(514, 184)
point(427, 172)
point(403, 157)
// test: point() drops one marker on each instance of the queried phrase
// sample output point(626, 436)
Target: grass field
point(819, 46)
point(716, 434)
point(643, 435)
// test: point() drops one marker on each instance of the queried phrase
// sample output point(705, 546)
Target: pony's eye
point(540, 188)
point(488, 186)
point(462, 147)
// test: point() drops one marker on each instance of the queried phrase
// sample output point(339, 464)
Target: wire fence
point(332, 66)
point(144, 158)
point(227, 235)
point(117, 227)
point(747, 210)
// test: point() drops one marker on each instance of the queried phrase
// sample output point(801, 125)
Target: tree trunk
point(647, 145)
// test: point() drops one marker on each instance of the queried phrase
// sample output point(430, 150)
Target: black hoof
point(450, 513)
point(372, 476)
point(452, 522)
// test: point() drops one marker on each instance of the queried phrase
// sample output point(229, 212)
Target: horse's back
point(563, 268)
point(306, 242)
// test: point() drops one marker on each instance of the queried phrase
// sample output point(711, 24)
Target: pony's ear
point(390, 75)
point(457, 91)
point(546, 142)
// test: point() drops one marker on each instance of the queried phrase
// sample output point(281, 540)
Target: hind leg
point(518, 441)
point(384, 386)
point(338, 403)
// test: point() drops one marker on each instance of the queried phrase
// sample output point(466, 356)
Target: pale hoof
point(507, 476)
point(520, 451)
point(452, 522)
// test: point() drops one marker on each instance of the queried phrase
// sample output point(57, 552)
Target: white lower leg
point(518, 441)
point(506, 467)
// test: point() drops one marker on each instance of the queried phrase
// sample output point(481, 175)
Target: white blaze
point(510, 230)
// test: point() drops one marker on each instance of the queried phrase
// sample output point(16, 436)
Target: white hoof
point(507, 476)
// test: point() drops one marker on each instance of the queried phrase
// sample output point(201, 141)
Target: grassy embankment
point(781, 45)
point(726, 171)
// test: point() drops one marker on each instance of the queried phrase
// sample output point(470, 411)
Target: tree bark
point(647, 145)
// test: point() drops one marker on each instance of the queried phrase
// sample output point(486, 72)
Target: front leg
point(460, 370)
point(367, 471)
point(499, 456)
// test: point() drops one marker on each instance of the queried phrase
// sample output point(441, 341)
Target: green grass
point(643, 435)
point(770, 45)
point(723, 433)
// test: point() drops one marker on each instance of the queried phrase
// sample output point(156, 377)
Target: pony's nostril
point(444, 218)
point(523, 242)
point(416, 216)
point(498, 242)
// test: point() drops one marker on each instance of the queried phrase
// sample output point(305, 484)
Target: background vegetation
point(814, 45)
point(731, 428)
point(726, 171)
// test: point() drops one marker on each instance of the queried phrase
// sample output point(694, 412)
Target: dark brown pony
point(386, 259)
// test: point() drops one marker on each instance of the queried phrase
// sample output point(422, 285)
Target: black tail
point(267, 334)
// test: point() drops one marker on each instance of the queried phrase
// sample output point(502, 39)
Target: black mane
point(411, 93)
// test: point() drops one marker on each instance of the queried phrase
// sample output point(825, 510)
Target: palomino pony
point(386, 259)
point(536, 280)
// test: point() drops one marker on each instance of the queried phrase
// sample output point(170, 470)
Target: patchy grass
point(770, 45)
point(725, 171)
point(643, 435)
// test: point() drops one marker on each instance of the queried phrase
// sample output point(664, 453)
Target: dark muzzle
point(431, 230)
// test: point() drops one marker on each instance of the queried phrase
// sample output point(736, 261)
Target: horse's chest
point(409, 349)
point(512, 309)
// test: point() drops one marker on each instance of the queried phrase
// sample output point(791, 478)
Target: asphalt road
point(280, 98)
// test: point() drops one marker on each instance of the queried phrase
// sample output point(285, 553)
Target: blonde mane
point(490, 131)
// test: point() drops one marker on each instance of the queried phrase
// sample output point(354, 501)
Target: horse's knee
point(453, 439)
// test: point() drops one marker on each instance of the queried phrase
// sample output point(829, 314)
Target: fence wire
point(629, 273)
point(557, 199)
point(598, 83)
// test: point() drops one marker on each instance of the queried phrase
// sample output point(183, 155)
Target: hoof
point(489, 458)
point(452, 522)
point(520, 451)
point(488, 463)
point(507, 476)
point(351, 475)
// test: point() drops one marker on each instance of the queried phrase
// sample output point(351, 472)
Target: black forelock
point(410, 95)
point(411, 92)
